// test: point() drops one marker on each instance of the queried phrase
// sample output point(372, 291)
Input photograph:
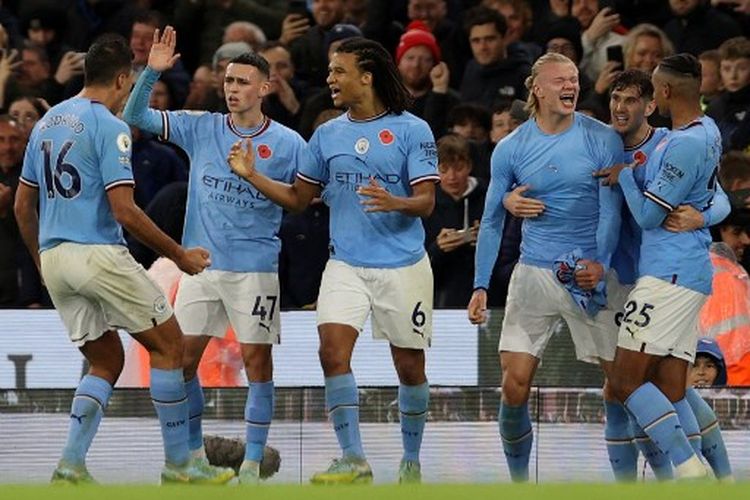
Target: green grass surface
point(650, 491)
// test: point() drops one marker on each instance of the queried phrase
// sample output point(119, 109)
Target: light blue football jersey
point(76, 152)
point(682, 170)
point(399, 152)
point(225, 214)
point(625, 259)
point(579, 212)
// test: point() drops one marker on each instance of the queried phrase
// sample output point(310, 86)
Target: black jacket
point(731, 112)
point(505, 79)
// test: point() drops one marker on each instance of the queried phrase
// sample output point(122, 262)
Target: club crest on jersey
point(160, 304)
point(386, 137)
point(264, 152)
point(123, 142)
point(362, 145)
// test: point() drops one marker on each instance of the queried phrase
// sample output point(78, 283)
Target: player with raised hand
point(376, 168)
point(236, 223)
point(79, 156)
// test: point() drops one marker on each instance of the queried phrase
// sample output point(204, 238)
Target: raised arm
point(161, 58)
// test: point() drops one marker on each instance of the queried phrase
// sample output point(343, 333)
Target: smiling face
point(415, 66)
point(704, 371)
point(628, 110)
point(347, 83)
point(557, 88)
point(646, 54)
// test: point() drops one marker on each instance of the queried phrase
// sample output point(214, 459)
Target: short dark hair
point(253, 59)
point(374, 59)
point(108, 57)
point(634, 78)
point(735, 167)
point(684, 64)
point(484, 15)
point(149, 17)
point(466, 112)
point(453, 148)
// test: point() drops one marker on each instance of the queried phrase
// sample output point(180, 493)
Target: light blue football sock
point(170, 401)
point(89, 402)
point(517, 437)
point(258, 415)
point(658, 418)
point(712, 442)
point(623, 454)
point(342, 401)
point(413, 401)
point(196, 401)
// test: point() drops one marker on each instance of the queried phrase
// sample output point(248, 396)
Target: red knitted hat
point(417, 33)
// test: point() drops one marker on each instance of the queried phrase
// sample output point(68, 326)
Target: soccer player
point(79, 157)
point(556, 154)
point(658, 330)
point(376, 167)
point(236, 223)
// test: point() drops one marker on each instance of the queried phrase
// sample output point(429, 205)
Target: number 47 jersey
point(77, 152)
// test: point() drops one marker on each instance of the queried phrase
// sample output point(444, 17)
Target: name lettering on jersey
point(362, 146)
point(672, 173)
point(386, 137)
point(264, 152)
point(70, 121)
point(358, 178)
point(429, 149)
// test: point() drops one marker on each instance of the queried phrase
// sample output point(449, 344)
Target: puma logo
point(78, 417)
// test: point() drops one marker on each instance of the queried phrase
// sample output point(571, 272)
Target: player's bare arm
point(378, 199)
point(293, 197)
point(137, 223)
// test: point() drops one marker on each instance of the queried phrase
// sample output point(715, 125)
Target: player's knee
point(332, 360)
point(621, 387)
point(410, 370)
point(516, 389)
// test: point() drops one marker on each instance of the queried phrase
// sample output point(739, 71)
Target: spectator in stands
point(519, 17)
point(563, 36)
point(145, 24)
point(419, 63)
point(697, 27)
point(202, 88)
point(645, 46)
point(309, 50)
point(286, 94)
point(26, 111)
point(244, 31)
point(206, 21)
point(503, 121)
point(711, 86)
point(11, 152)
point(601, 29)
point(731, 109)
point(43, 28)
point(471, 122)
point(493, 73)
point(321, 100)
point(708, 370)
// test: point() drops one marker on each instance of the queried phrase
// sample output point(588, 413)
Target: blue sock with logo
point(657, 460)
point(342, 401)
point(170, 402)
point(196, 401)
point(689, 424)
point(258, 415)
point(413, 401)
point(712, 442)
point(89, 403)
point(623, 454)
point(517, 437)
point(658, 418)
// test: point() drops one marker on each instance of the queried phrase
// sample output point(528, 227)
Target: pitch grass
point(647, 491)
